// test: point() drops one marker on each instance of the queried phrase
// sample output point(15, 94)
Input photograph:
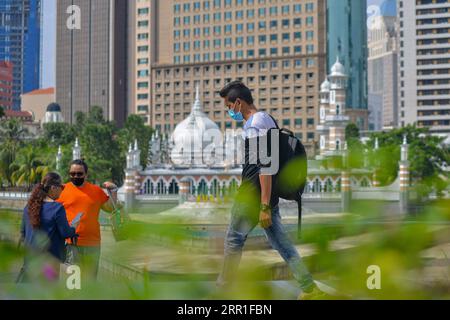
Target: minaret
point(337, 108)
point(137, 156)
point(322, 129)
point(76, 151)
point(404, 175)
point(375, 180)
point(58, 159)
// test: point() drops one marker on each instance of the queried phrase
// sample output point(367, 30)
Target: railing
point(11, 195)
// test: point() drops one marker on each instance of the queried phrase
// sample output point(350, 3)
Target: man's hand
point(109, 185)
point(265, 219)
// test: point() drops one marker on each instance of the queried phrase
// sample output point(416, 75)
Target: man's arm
point(108, 206)
point(265, 217)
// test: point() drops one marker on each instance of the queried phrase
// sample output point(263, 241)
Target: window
point(250, 27)
point(273, 24)
point(250, 40)
point(273, 11)
point(297, 8)
point(261, 12)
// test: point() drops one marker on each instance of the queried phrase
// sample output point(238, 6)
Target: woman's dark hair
point(38, 195)
point(237, 90)
point(80, 162)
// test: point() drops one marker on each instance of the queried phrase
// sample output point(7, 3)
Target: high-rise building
point(6, 85)
point(383, 68)
point(424, 39)
point(276, 47)
point(20, 39)
point(91, 62)
point(347, 39)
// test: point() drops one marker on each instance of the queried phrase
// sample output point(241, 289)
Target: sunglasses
point(59, 186)
point(76, 174)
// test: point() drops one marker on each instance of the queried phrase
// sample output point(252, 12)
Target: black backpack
point(293, 169)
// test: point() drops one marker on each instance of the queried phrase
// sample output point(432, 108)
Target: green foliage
point(135, 128)
point(103, 146)
point(100, 148)
point(59, 134)
point(426, 156)
point(2, 112)
point(12, 135)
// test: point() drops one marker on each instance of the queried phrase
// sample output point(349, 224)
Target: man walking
point(81, 197)
point(255, 201)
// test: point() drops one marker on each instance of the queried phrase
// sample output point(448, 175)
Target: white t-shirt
point(258, 125)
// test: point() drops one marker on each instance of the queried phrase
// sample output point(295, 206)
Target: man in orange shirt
point(80, 196)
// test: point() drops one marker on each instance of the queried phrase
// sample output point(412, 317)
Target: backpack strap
point(276, 123)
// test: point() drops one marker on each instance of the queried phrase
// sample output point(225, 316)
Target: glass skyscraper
point(20, 35)
point(347, 39)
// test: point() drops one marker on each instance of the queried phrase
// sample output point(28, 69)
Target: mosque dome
point(338, 69)
point(325, 86)
point(196, 131)
point(53, 114)
point(53, 107)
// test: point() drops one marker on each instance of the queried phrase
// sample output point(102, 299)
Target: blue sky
point(49, 38)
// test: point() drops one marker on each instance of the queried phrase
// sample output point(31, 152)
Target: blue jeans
point(240, 227)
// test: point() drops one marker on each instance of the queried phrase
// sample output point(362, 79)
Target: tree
point(12, 135)
point(29, 168)
point(427, 157)
point(59, 133)
point(2, 112)
point(135, 129)
point(98, 139)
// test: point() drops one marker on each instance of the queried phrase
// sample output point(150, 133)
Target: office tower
point(383, 68)
point(347, 39)
point(20, 36)
point(276, 48)
point(6, 85)
point(424, 64)
point(91, 62)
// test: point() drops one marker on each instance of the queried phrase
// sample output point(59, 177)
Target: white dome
point(338, 70)
point(196, 131)
point(325, 86)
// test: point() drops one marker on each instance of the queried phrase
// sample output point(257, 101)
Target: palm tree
point(29, 169)
point(12, 134)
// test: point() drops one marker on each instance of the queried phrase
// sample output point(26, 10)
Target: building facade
point(37, 102)
point(6, 85)
point(347, 39)
point(276, 47)
point(20, 44)
point(383, 68)
point(424, 75)
point(91, 61)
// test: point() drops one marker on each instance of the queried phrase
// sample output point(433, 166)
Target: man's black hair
point(80, 162)
point(237, 90)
